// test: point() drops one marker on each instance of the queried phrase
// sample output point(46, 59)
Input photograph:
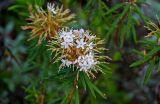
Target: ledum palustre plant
point(151, 53)
point(77, 50)
point(63, 62)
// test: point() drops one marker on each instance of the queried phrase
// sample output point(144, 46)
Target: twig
point(118, 29)
point(42, 97)
point(72, 91)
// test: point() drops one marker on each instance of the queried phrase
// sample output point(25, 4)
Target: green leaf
point(114, 25)
point(15, 7)
point(64, 100)
point(149, 42)
point(93, 88)
point(129, 24)
point(98, 91)
point(63, 74)
point(139, 12)
point(76, 96)
point(138, 63)
point(134, 33)
point(138, 52)
point(89, 85)
point(90, 3)
point(146, 58)
point(155, 50)
point(106, 69)
point(102, 4)
point(149, 72)
point(117, 6)
point(82, 80)
point(122, 34)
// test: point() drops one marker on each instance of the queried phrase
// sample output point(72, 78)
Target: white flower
point(82, 62)
point(90, 59)
point(51, 8)
point(86, 62)
point(81, 31)
point(67, 38)
point(66, 44)
point(66, 62)
point(80, 44)
point(64, 34)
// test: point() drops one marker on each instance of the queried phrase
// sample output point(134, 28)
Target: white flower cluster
point(76, 38)
point(81, 43)
point(86, 62)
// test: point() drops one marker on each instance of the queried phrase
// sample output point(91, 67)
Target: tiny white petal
point(51, 8)
point(66, 62)
point(80, 44)
point(81, 31)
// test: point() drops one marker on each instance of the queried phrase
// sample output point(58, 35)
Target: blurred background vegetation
point(26, 69)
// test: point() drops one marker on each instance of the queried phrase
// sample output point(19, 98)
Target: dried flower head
point(45, 24)
point(154, 30)
point(78, 48)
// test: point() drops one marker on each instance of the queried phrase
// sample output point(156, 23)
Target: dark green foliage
point(152, 57)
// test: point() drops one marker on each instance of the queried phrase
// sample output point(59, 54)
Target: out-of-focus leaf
point(76, 96)
point(149, 72)
point(117, 56)
point(113, 9)
point(15, 7)
point(134, 33)
point(114, 24)
point(93, 88)
point(82, 80)
point(139, 12)
point(89, 84)
point(146, 57)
